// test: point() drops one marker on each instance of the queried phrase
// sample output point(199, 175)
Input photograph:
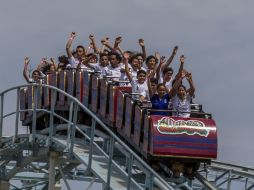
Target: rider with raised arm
point(80, 52)
point(36, 75)
point(139, 85)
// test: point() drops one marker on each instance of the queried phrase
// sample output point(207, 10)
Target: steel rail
point(160, 181)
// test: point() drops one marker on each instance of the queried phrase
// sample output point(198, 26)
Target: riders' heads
point(161, 90)
point(36, 75)
point(104, 60)
point(135, 63)
point(140, 59)
point(154, 83)
point(114, 59)
point(151, 62)
point(80, 51)
point(181, 91)
point(141, 76)
point(167, 74)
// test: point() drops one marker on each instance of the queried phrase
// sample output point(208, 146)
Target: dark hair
point(182, 86)
point(36, 71)
point(63, 59)
point(135, 56)
point(141, 72)
point(159, 85)
point(118, 56)
point(149, 57)
point(92, 55)
point(106, 51)
point(103, 54)
point(140, 54)
point(80, 46)
point(154, 80)
point(167, 69)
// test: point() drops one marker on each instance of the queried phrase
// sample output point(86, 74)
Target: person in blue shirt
point(161, 99)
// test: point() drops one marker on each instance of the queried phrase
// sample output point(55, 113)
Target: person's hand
point(182, 59)
point(162, 59)
point(27, 60)
point(157, 56)
point(91, 37)
point(118, 40)
point(91, 46)
point(141, 42)
point(183, 73)
point(126, 55)
point(73, 35)
point(189, 76)
point(52, 60)
point(43, 60)
point(175, 50)
point(105, 40)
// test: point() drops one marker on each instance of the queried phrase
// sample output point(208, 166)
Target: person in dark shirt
point(161, 98)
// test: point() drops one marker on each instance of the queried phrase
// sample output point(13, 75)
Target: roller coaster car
point(168, 139)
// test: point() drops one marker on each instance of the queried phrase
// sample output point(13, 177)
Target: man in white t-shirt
point(139, 85)
point(102, 66)
point(80, 52)
point(36, 74)
point(114, 69)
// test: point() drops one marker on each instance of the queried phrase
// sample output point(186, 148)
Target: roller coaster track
point(41, 159)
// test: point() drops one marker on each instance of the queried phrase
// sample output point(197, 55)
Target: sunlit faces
point(114, 61)
point(135, 64)
point(161, 90)
point(104, 61)
point(167, 76)
point(181, 92)
point(36, 75)
point(93, 59)
point(80, 52)
point(141, 60)
point(151, 63)
point(141, 78)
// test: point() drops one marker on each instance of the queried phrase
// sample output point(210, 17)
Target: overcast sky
point(216, 36)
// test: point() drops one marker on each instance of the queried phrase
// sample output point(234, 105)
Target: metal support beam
point(52, 171)
point(73, 127)
point(1, 115)
point(17, 115)
point(51, 118)
point(34, 112)
point(91, 146)
point(111, 152)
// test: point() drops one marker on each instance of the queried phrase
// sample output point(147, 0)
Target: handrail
point(93, 116)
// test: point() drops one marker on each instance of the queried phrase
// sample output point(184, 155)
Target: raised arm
point(191, 90)
point(107, 44)
point(127, 70)
point(170, 59)
point(141, 42)
point(161, 62)
point(178, 80)
point(25, 70)
point(103, 47)
point(42, 65)
point(92, 38)
point(149, 86)
point(69, 43)
point(117, 47)
point(182, 60)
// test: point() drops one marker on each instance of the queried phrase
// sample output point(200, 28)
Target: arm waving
point(170, 59)
point(69, 43)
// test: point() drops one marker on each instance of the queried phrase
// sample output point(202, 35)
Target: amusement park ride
point(83, 127)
